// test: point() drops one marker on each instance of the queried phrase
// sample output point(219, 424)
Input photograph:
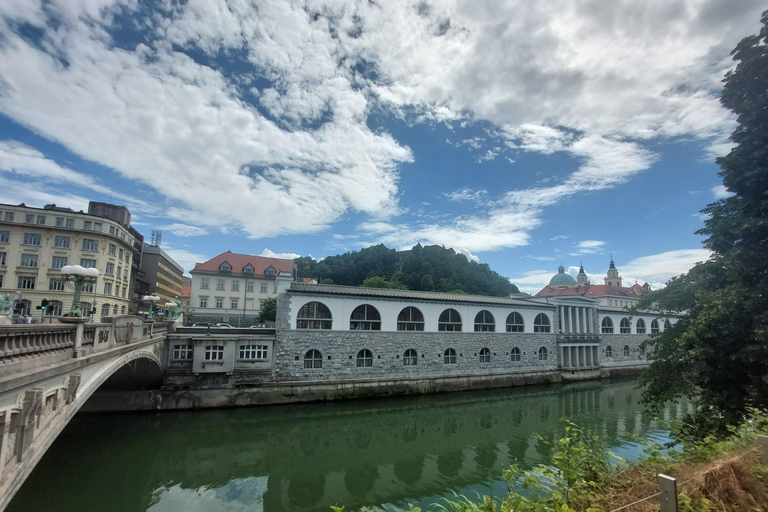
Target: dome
point(561, 277)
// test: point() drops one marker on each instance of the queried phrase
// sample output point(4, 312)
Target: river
point(383, 453)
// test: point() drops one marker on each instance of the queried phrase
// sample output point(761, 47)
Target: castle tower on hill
point(612, 278)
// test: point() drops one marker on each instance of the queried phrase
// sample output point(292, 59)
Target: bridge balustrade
point(31, 340)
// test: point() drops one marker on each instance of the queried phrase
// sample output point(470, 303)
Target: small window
point(214, 352)
point(667, 324)
point(607, 326)
point(203, 302)
point(61, 242)
point(233, 303)
point(365, 318)
point(608, 351)
point(97, 227)
point(515, 354)
point(263, 288)
point(60, 222)
point(182, 352)
point(31, 239)
point(270, 271)
point(625, 327)
point(110, 269)
point(9, 216)
point(364, 358)
point(249, 286)
point(71, 223)
point(626, 350)
point(88, 287)
point(640, 326)
point(219, 302)
point(541, 323)
point(28, 260)
point(41, 219)
point(87, 263)
point(2, 259)
point(449, 320)
point(235, 285)
point(314, 315)
point(219, 284)
point(5, 236)
point(313, 359)
point(29, 219)
point(225, 267)
point(449, 356)
point(105, 310)
point(114, 309)
point(543, 354)
point(204, 283)
point(90, 245)
point(654, 326)
point(54, 308)
point(111, 230)
point(107, 288)
point(484, 322)
point(515, 322)
point(120, 254)
point(112, 249)
point(56, 285)
point(485, 355)
point(410, 319)
point(248, 269)
point(410, 358)
point(253, 352)
point(87, 225)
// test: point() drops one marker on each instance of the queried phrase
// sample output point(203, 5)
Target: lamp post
point(150, 301)
point(78, 275)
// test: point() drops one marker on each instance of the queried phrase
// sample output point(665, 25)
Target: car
point(226, 326)
point(201, 324)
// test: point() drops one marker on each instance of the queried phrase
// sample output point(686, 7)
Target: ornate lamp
point(149, 302)
point(78, 275)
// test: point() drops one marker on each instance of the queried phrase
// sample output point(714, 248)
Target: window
point(87, 263)
point(449, 356)
point(56, 285)
point(233, 303)
point(1, 280)
point(112, 249)
point(314, 315)
point(122, 309)
point(261, 303)
point(543, 354)
point(125, 274)
point(26, 283)
point(249, 286)
point(248, 269)
point(515, 322)
point(54, 308)
point(541, 323)
point(219, 284)
point(85, 308)
point(410, 319)
point(9, 216)
point(110, 269)
point(214, 352)
point(41, 219)
point(313, 359)
point(97, 227)
point(484, 322)
point(640, 326)
point(120, 254)
point(90, 244)
point(516, 354)
point(119, 271)
point(253, 352)
point(125, 291)
point(111, 230)
point(485, 355)
point(28, 260)
point(410, 358)
point(608, 351)
point(364, 358)
point(107, 288)
point(182, 352)
point(87, 225)
point(105, 310)
point(235, 285)
point(270, 271)
point(2, 258)
point(263, 287)
point(219, 303)
point(607, 326)
point(31, 239)
point(60, 222)
point(624, 326)
point(88, 287)
point(203, 302)
point(225, 267)
point(29, 218)
point(654, 326)
point(667, 325)
point(204, 283)
point(58, 261)
point(71, 223)
point(626, 351)
point(114, 309)
point(449, 320)
point(365, 318)
point(61, 242)
point(5, 236)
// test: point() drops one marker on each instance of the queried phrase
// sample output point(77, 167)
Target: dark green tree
point(717, 353)
point(268, 311)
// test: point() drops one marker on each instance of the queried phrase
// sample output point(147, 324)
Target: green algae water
point(381, 453)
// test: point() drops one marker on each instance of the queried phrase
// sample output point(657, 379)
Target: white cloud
point(184, 230)
point(185, 258)
point(720, 192)
point(657, 269)
point(281, 255)
point(589, 247)
point(469, 255)
point(466, 194)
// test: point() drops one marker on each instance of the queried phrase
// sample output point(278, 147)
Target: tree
point(268, 311)
point(717, 353)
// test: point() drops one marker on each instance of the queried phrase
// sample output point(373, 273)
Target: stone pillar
point(588, 356)
point(5, 428)
point(78, 350)
point(596, 356)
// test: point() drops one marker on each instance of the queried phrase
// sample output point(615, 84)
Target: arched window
point(625, 327)
point(541, 323)
point(364, 358)
point(485, 355)
point(122, 310)
point(410, 319)
point(667, 324)
point(365, 318)
point(410, 358)
point(449, 356)
point(608, 351)
point(114, 309)
point(449, 320)
point(313, 359)
point(654, 326)
point(516, 354)
point(607, 326)
point(515, 322)
point(543, 354)
point(626, 351)
point(314, 315)
point(640, 326)
point(484, 322)
point(105, 310)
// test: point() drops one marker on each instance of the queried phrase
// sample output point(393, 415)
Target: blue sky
point(521, 134)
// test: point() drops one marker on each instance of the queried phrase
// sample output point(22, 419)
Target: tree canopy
point(717, 353)
point(430, 268)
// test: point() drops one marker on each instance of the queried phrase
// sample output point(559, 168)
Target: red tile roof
point(594, 290)
point(239, 261)
point(186, 291)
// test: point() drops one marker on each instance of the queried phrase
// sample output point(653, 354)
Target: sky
point(524, 135)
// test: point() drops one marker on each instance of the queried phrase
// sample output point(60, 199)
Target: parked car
point(201, 324)
point(226, 326)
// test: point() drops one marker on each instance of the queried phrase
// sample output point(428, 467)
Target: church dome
point(561, 277)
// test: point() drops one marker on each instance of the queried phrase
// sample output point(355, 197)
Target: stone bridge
point(47, 373)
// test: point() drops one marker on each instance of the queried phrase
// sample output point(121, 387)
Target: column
point(595, 356)
point(562, 320)
point(583, 320)
point(588, 356)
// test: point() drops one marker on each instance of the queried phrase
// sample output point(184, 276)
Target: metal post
point(668, 498)
point(762, 443)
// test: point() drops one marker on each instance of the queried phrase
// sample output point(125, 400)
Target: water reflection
point(306, 458)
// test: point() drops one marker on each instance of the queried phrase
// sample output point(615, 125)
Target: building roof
point(239, 261)
point(561, 277)
point(595, 290)
point(361, 291)
point(186, 291)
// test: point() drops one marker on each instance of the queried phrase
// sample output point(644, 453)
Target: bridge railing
point(17, 341)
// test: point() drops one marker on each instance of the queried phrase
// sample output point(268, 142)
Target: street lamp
point(149, 301)
point(78, 275)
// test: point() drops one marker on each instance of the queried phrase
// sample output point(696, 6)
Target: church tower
point(582, 277)
point(612, 278)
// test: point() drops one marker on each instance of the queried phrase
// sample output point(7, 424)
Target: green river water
point(383, 453)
